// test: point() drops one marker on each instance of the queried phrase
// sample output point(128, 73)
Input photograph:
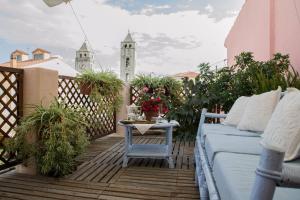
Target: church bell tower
point(84, 58)
point(127, 59)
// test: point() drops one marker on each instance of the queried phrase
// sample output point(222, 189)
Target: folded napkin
point(143, 128)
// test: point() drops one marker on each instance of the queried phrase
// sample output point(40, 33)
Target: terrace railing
point(11, 89)
point(101, 120)
point(134, 95)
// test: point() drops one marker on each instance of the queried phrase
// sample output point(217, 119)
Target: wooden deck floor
point(100, 176)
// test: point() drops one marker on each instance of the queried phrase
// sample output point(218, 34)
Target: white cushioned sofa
point(231, 164)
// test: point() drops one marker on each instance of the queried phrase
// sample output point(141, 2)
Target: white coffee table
point(149, 150)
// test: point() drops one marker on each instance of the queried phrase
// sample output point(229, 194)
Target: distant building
point(20, 55)
point(84, 58)
point(127, 69)
point(40, 54)
point(40, 58)
point(189, 75)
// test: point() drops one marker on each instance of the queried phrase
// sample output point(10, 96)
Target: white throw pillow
point(259, 111)
point(236, 112)
point(283, 131)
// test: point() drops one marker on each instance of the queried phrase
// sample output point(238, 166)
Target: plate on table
point(127, 121)
point(143, 122)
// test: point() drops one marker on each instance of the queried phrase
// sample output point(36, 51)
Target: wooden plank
point(109, 197)
point(42, 193)
point(12, 195)
point(111, 174)
point(179, 155)
point(101, 176)
point(56, 181)
point(99, 169)
point(115, 178)
point(88, 171)
point(136, 191)
point(51, 186)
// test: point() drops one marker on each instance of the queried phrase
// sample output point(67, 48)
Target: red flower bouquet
point(152, 107)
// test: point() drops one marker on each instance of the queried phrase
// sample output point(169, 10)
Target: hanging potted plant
point(86, 88)
point(100, 86)
point(87, 81)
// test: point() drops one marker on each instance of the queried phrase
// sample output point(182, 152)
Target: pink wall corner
point(264, 28)
point(251, 31)
point(287, 30)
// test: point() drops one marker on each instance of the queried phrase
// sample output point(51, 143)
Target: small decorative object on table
point(134, 112)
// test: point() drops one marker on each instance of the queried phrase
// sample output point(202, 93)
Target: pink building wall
point(265, 27)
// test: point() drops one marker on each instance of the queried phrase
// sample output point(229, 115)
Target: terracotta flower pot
point(85, 88)
point(150, 114)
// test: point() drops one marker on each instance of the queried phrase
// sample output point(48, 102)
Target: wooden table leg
point(126, 147)
point(169, 140)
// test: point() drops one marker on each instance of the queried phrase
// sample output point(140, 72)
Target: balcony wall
point(264, 28)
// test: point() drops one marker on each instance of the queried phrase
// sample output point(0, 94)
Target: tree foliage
point(222, 87)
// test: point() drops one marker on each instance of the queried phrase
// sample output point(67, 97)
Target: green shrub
point(224, 86)
point(198, 95)
point(61, 136)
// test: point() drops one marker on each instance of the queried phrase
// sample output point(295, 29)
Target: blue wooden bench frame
point(271, 171)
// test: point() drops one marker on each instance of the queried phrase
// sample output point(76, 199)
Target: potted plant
point(152, 104)
point(101, 85)
point(60, 133)
point(167, 89)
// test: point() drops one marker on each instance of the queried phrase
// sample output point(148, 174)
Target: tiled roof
point(20, 52)
point(186, 74)
point(42, 50)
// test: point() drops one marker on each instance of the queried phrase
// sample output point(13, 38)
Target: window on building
point(127, 77)
point(127, 62)
point(130, 46)
point(19, 58)
point(85, 55)
point(80, 55)
point(125, 45)
point(38, 56)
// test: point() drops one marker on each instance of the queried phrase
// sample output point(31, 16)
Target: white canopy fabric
point(52, 3)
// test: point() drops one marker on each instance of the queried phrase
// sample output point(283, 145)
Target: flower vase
point(150, 114)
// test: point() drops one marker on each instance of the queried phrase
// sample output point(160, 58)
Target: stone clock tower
point(127, 59)
point(84, 58)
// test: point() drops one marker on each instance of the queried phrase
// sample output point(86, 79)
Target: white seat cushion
point(259, 111)
point(236, 112)
point(283, 131)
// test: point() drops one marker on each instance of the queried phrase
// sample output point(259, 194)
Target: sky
point(172, 35)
